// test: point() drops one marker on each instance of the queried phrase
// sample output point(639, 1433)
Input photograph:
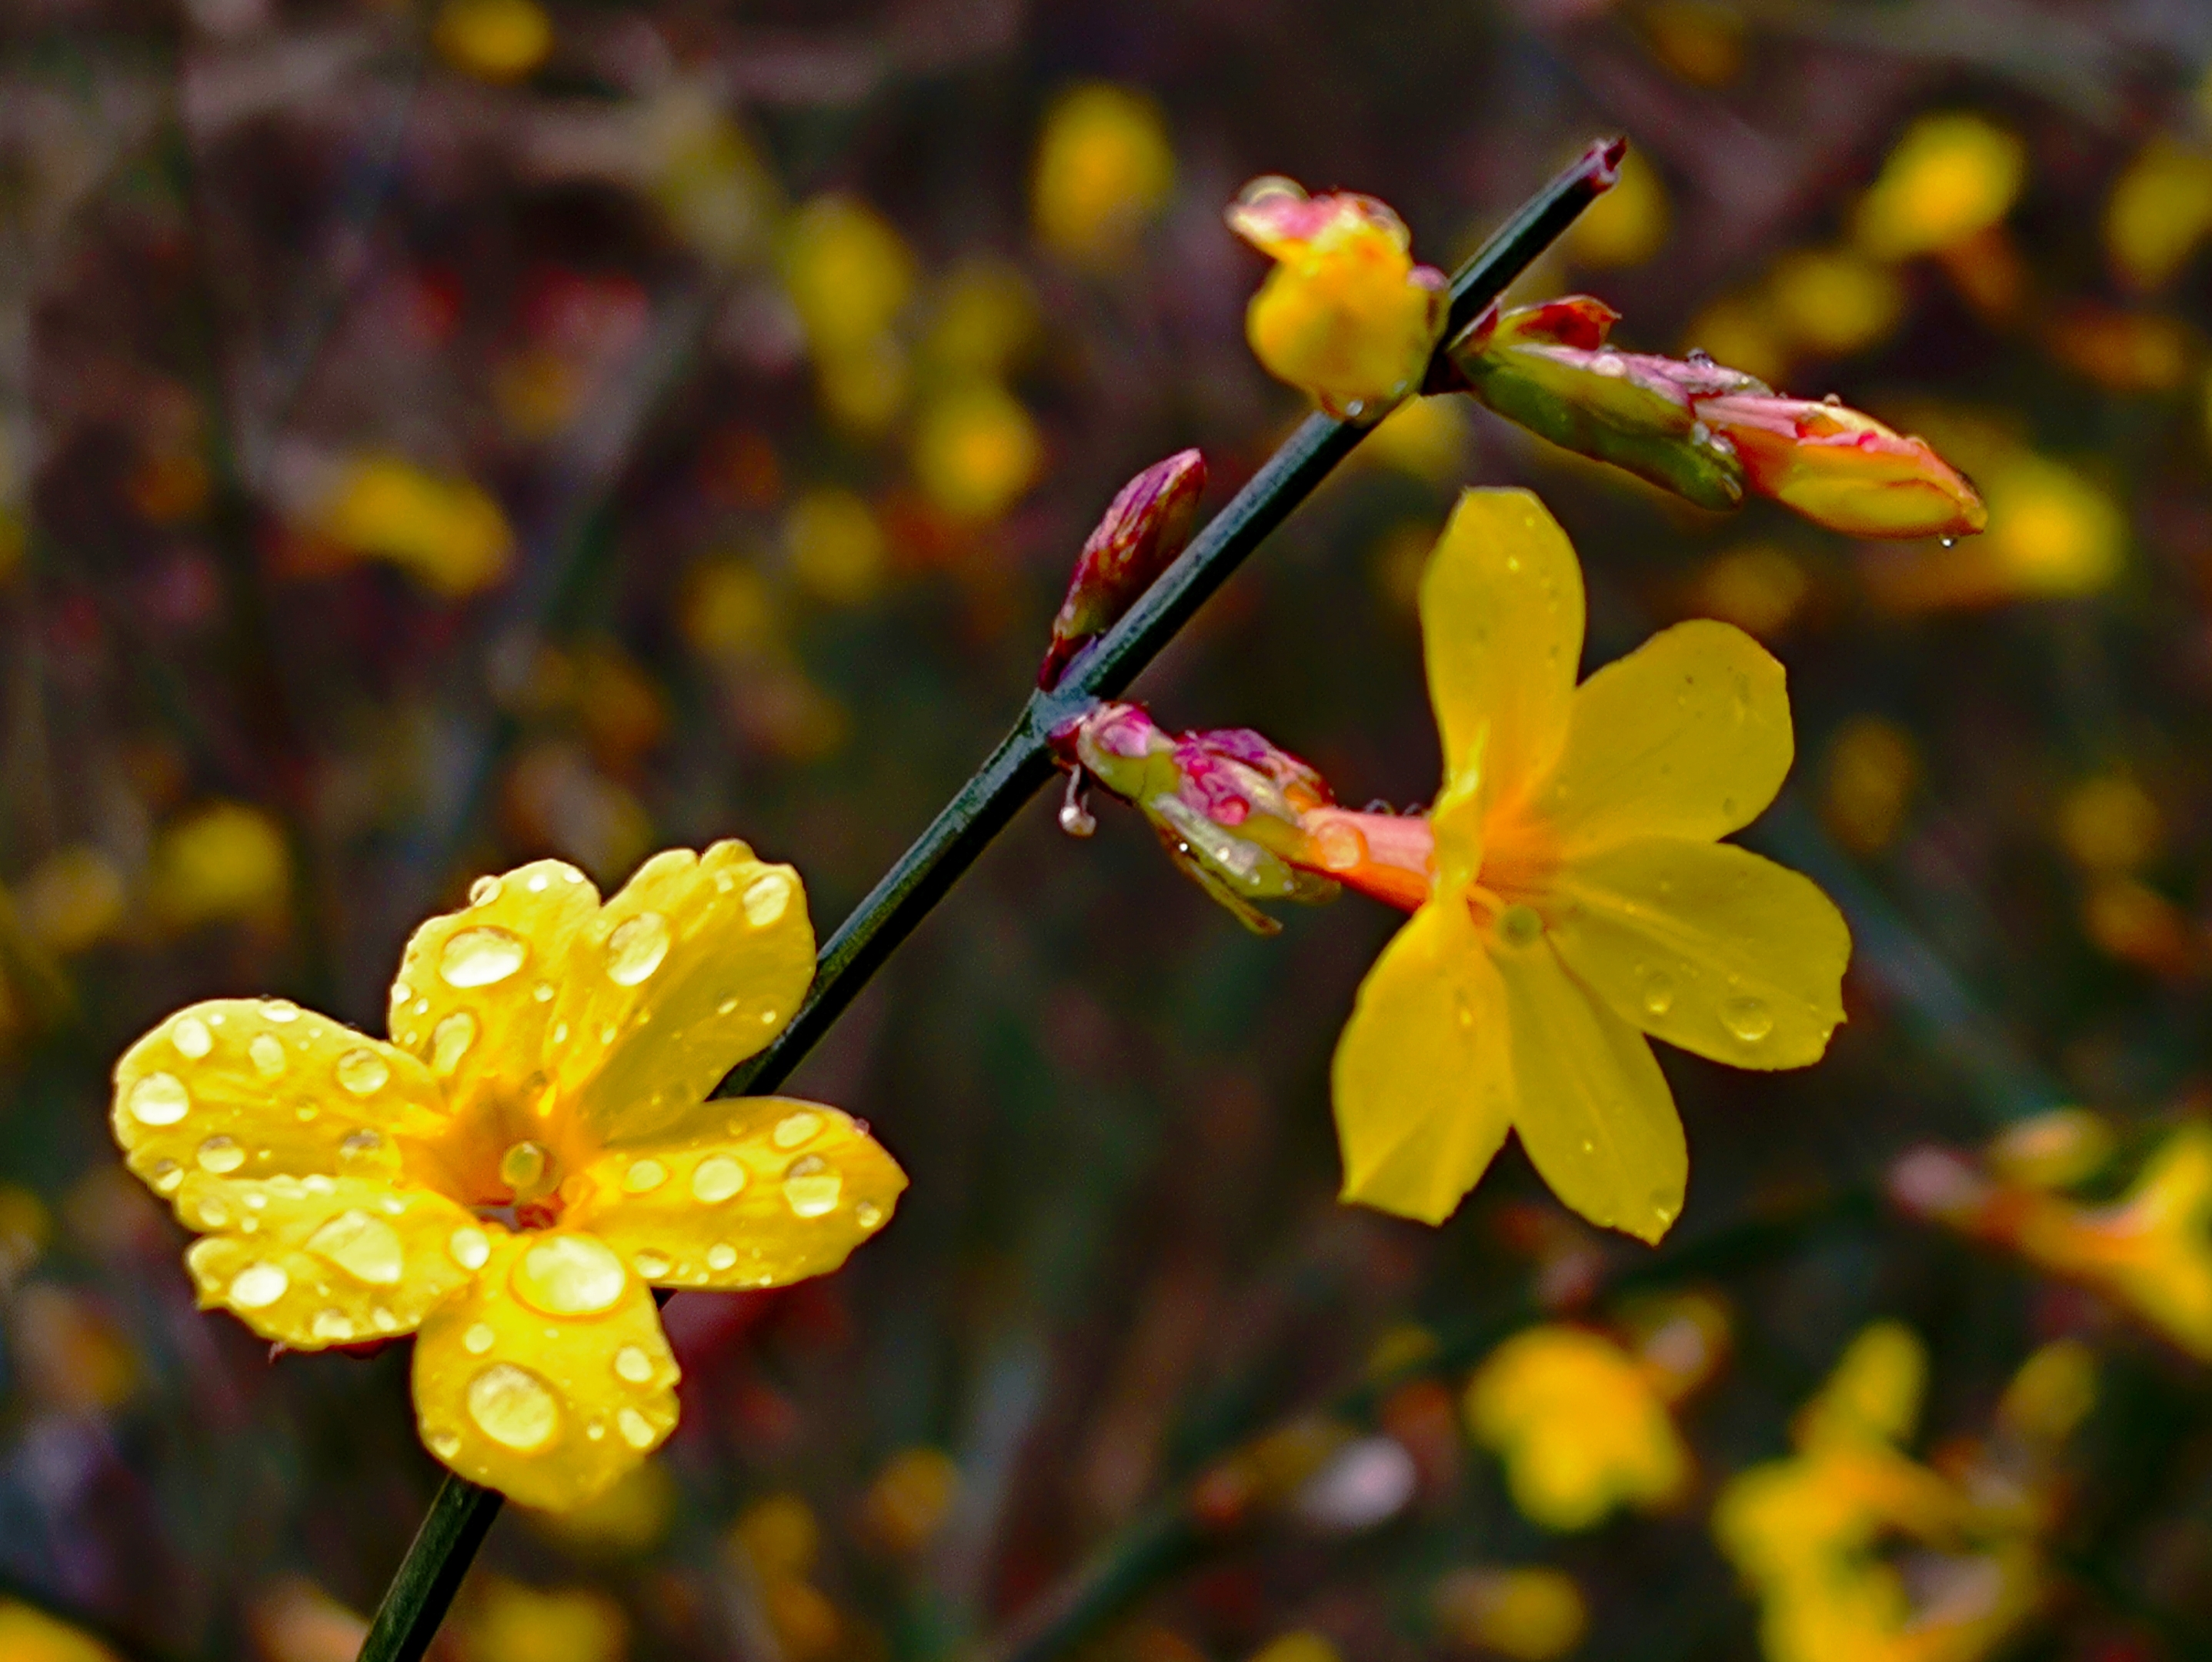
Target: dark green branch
point(417, 1601)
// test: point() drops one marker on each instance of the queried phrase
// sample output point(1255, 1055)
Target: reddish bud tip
point(1147, 524)
point(1601, 161)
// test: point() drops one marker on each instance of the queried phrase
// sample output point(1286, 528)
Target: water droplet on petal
point(449, 1040)
point(522, 1167)
point(766, 898)
point(631, 1363)
point(636, 1429)
point(720, 1255)
point(1520, 925)
point(334, 1325)
point(1748, 1019)
point(726, 1006)
point(515, 1408)
point(443, 1444)
point(559, 1032)
point(716, 1178)
point(191, 1038)
point(268, 1053)
point(650, 1265)
point(794, 1129)
point(221, 1155)
point(478, 958)
point(383, 1320)
point(644, 1176)
point(364, 1073)
point(868, 1214)
point(167, 1176)
point(259, 1286)
point(367, 1248)
point(1658, 994)
point(478, 1339)
point(570, 1275)
point(483, 891)
point(359, 1145)
point(213, 1213)
point(470, 1246)
point(636, 948)
point(280, 1009)
point(812, 1186)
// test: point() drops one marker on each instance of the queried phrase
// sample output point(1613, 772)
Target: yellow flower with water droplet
point(1580, 1425)
point(1578, 896)
point(1345, 316)
point(531, 1153)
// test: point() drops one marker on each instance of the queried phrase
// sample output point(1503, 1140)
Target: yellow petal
point(750, 1191)
point(1686, 736)
point(259, 1088)
point(319, 1261)
point(1420, 1080)
point(1502, 633)
point(549, 1377)
point(1592, 1108)
point(475, 990)
point(697, 964)
point(1708, 946)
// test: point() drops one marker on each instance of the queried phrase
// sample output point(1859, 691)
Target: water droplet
point(515, 1408)
point(470, 1246)
point(559, 1032)
point(268, 1053)
point(359, 1145)
point(449, 1040)
point(768, 1017)
point(720, 1255)
point(726, 1006)
point(794, 1129)
point(596, 1430)
point(1520, 925)
point(159, 1099)
point(259, 1286)
point(522, 1167)
point(167, 1176)
point(868, 1214)
point(213, 1213)
point(1948, 542)
point(766, 898)
point(221, 1155)
point(644, 1176)
point(812, 1187)
point(334, 1325)
point(483, 891)
point(1834, 400)
point(478, 958)
point(478, 1339)
point(280, 1009)
point(636, 948)
point(570, 1276)
point(636, 1429)
point(1748, 1019)
point(364, 1073)
point(444, 1444)
point(366, 1248)
point(1701, 357)
point(1658, 994)
point(191, 1038)
point(716, 1178)
point(650, 1265)
point(401, 992)
point(632, 1363)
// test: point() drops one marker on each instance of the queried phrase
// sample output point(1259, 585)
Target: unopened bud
point(1146, 526)
point(1843, 469)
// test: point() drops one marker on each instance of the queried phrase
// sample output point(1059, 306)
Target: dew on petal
point(213, 1213)
point(167, 1175)
point(481, 956)
point(268, 1053)
point(470, 1246)
point(259, 1286)
point(1748, 1019)
point(515, 1408)
point(867, 1214)
point(280, 1009)
point(766, 898)
point(1658, 994)
point(522, 1167)
point(720, 1255)
point(363, 1072)
point(794, 1129)
point(191, 1038)
point(478, 1339)
point(726, 1006)
point(716, 1178)
point(159, 1099)
point(543, 992)
point(359, 1145)
point(813, 1187)
point(636, 1429)
point(449, 1040)
point(220, 1154)
point(443, 1444)
point(644, 1176)
point(483, 891)
point(367, 1248)
point(331, 1325)
point(570, 1275)
point(650, 1265)
point(383, 1320)
point(632, 1364)
point(636, 947)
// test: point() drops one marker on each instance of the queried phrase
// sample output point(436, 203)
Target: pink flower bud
point(1843, 469)
point(1146, 525)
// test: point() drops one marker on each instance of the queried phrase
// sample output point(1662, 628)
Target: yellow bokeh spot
point(1867, 782)
point(2110, 824)
point(293, 1620)
point(2128, 920)
point(2054, 1392)
point(727, 608)
point(1701, 40)
point(1741, 331)
point(73, 898)
point(26, 1226)
point(780, 1537)
point(1628, 224)
point(1426, 438)
point(73, 1356)
point(1105, 169)
point(2160, 209)
point(1874, 1395)
point(1758, 587)
point(1952, 174)
point(2053, 1150)
point(835, 545)
point(444, 531)
point(975, 450)
point(848, 272)
point(1301, 1647)
point(2051, 531)
point(493, 39)
point(984, 318)
point(631, 1517)
point(1833, 301)
point(512, 1623)
point(221, 861)
point(717, 195)
point(911, 1498)
point(30, 1635)
point(537, 392)
point(1532, 1615)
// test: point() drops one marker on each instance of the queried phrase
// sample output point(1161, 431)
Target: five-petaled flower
point(1578, 896)
point(534, 1151)
point(1345, 317)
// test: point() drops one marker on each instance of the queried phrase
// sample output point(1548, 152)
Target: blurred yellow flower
point(1532, 1615)
point(73, 898)
point(1833, 301)
point(1760, 587)
point(2051, 531)
point(1426, 438)
point(1577, 894)
point(445, 532)
point(630, 1517)
point(2054, 1150)
point(849, 276)
point(1104, 170)
point(1628, 224)
point(31, 1636)
point(2054, 1392)
point(1742, 331)
point(220, 862)
point(1952, 173)
point(534, 1152)
point(1345, 316)
point(1701, 40)
point(984, 318)
point(727, 608)
point(834, 545)
point(493, 39)
point(1867, 782)
point(2160, 209)
point(2110, 824)
point(511, 1622)
point(715, 192)
point(911, 1498)
point(780, 1540)
point(975, 450)
point(1299, 1647)
point(72, 1354)
point(1579, 1426)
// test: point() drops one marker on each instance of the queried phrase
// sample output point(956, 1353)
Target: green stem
point(417, 1601)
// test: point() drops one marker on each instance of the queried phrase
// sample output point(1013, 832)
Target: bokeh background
point(434, 437)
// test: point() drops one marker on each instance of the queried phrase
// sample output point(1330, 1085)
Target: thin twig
point(417, 1601)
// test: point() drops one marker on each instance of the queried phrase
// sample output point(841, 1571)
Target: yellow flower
point(30, 1635)
point(1578, 894)
point(1345, 316)
point(225, 860)
point(2160, 210)
point(529, 1156)
point(493, 39)
point(447, 533)
point(1628, 224)
point(975, 450)
point(1872, 769)
point(1104, 169)
point(512, 1623)
point(1952, 174)
point(1531, 1615)
point(1579, 1425)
